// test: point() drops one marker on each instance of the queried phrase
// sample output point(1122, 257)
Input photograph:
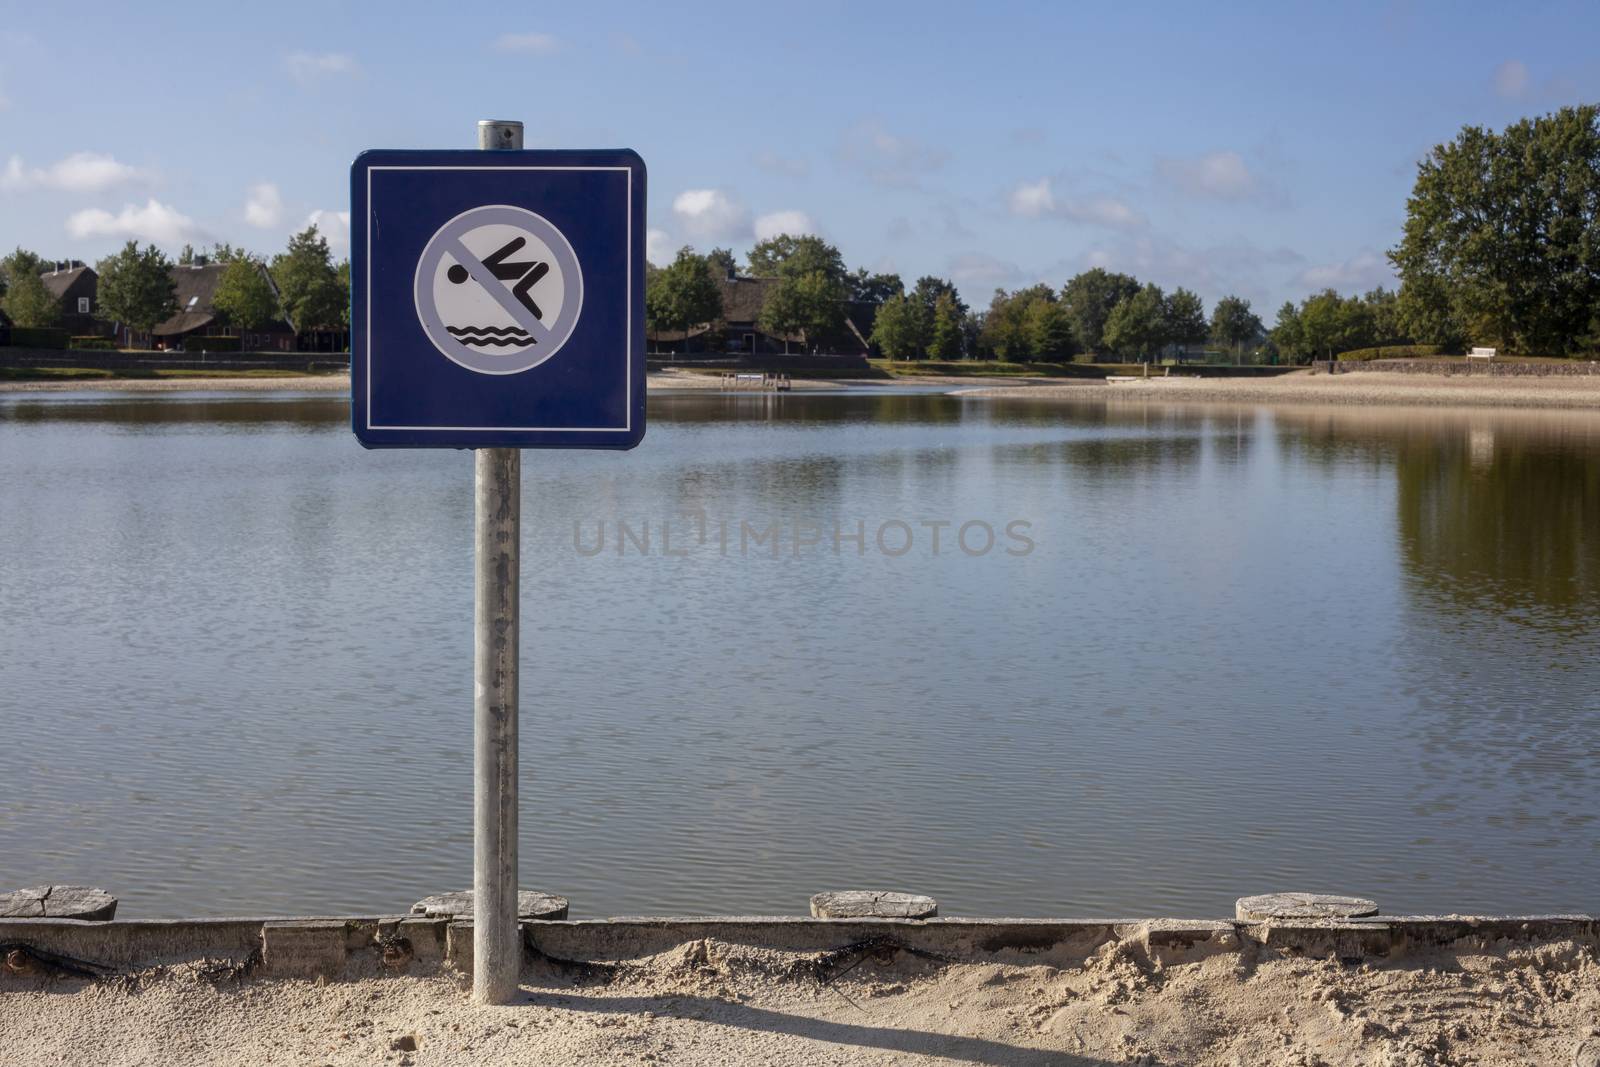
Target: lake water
point(1351, 651)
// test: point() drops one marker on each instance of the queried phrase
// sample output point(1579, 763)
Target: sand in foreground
point(713, 1003)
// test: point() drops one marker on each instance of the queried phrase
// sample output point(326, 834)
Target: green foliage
point(92, 344)
point(1326, 323)
point(1013, 330)
point(945, 339)
point(682, 295)
point(136, 286)
point(721, 263)
point(308, 284)
point(794, 256)
point(865, 288)
point(20, 262)
point(1090, 298)
point(1049, 330)
point(1185, 318)
point(1286, 335)
point(245, 298)
point(811, 291)
point(1360, 355)
point(38, 337)
point(1137, 326)
point(29, 303)
point(809, 303)
point(928, 290)
point(1502, 236)
point(902, 329)
point(1233, 324)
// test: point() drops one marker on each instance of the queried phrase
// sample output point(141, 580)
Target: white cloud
point(309, 67)
point(333, 225)
point(658, 247)
point(81, 172)
point(1032, 200)
point(537, 44)
point(787, 166)
point(155, 222)
point(982, 272)
point(263, 207)
point(1218, 175)
point(775, 223)
point(711, 215)
point(887, 158)
point(1364, 270)
point(1511, 78)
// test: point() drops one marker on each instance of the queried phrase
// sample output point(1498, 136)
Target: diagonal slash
point(481, 274)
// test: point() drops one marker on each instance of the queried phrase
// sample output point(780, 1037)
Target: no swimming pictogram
point(498, 289)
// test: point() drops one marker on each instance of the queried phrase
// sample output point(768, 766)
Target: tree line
point(302, 285)
point(1501, 247)
point(1098, 312)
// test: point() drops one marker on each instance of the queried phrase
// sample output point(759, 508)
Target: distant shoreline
point(1355, 388)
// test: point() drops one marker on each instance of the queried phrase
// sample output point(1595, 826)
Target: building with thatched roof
point(737, 333)
point(194, 288)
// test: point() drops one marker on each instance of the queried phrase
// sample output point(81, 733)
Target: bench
point(1481, 353)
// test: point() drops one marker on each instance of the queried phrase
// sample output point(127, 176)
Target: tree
point(788, 254)
point(1137, 326)
point(1089, 298)
point(244, 296)
point(944, 340)
point(683, 294)
point(811, 291)
point(1502, 235)
point(186, 256)
point(1287, 334)
point(26, 300)
point(865, 288)
point(810, 303)
point(136, 287)
point(1185, 316)
point(721, 263)
point(900, 330)
point(928, 290)
point(223, 252)
point(1049, 329)
point(18, 263)
point(1234, 325)
point(308, 284)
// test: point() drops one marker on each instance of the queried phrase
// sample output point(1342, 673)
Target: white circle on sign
point(498, 289)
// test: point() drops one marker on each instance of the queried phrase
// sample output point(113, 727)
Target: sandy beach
point(1358, 388)
point(709, 1002)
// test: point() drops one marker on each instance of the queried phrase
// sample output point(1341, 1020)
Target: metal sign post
point(497, 304)
point(496, 566)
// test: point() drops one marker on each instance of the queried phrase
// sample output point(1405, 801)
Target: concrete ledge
point(335, 947)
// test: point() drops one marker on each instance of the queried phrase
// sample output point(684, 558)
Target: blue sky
point(1260, 149)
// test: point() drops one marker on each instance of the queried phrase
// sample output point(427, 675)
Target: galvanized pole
point(497, 536)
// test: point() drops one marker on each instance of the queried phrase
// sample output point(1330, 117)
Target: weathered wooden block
point(872, 904)
point(1269, 906)
point(81, 902)
point(531, 904)
point(304, 948)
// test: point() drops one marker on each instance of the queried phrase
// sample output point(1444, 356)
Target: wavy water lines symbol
point(497, 336)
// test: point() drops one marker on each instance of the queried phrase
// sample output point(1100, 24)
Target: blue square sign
point(497, 299)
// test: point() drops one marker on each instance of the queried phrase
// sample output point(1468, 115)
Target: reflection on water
point(1250, 650)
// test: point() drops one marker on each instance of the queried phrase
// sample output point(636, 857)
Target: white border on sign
point(627, 425)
